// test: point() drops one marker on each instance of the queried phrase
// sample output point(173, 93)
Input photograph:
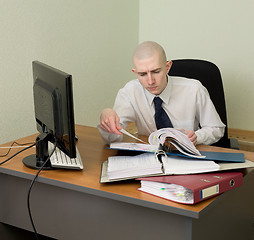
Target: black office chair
point(209, 75)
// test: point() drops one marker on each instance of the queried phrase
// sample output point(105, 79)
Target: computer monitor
point(54, 113)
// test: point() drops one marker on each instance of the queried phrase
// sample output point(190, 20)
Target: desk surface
point(93, 152)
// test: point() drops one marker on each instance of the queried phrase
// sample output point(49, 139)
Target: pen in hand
point(130, 135)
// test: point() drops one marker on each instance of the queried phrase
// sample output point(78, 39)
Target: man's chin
point(154, 91)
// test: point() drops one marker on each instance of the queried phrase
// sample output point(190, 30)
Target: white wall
point(91, 39)
point(94, 39)
point(220, 31)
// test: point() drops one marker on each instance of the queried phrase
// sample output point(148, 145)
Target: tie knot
point(157, 102)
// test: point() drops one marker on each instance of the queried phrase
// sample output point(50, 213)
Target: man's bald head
point(148, 49)
point(151, 66)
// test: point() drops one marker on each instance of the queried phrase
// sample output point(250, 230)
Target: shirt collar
point(165, 94)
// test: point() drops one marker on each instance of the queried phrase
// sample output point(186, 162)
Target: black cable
point(38, 172)
point(20, 144)
point(30, 189)
point(16, 154)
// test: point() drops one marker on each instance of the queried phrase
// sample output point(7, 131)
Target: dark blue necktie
point(161, 118)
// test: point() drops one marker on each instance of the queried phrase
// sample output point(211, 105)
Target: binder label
point(207, 192)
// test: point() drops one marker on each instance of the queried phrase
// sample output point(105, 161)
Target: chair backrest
point(209, 75)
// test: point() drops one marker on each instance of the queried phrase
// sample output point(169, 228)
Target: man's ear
point(169, 65)
point(134, 71)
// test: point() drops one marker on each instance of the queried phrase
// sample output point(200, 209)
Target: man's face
point(151, 73)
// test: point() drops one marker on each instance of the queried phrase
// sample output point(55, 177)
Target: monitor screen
point(54, 113)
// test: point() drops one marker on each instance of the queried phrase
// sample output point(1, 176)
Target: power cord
point(34, 179)
point(15, 153)
point(19, 144)
point(30, 189)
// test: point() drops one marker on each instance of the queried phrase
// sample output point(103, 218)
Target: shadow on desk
point(13, 233)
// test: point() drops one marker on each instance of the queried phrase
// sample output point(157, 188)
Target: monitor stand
point(37, 160)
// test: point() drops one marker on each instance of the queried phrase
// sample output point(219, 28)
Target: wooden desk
point(86, 209)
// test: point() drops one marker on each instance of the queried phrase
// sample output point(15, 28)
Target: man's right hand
point(109, 121)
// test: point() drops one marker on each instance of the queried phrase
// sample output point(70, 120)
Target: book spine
point(217, 188)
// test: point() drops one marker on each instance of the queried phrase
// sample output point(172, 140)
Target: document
point(130, 166)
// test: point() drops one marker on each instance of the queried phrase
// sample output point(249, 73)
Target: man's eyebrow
point(154, 70)
point(157, 69)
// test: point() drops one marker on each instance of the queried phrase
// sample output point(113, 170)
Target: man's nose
point(150, 79)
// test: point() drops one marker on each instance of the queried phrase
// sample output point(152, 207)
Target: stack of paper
point(134, 146)
point(179, 165)
point(133, 166)
point(173, 192)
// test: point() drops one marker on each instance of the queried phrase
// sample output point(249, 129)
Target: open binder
point(175, 143)
point(119, 168)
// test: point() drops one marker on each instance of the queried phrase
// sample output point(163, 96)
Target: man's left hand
point(192, 136)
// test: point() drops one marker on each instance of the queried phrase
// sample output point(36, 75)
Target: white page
point(145, 160)
point(168, 191)
point(159, 136)
point(134, 146)
point(133, 166)
point(179, 165)
point(186, 153)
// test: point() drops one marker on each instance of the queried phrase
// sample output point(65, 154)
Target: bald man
point(185, 101)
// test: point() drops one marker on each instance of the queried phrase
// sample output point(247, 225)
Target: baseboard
point(244, 137)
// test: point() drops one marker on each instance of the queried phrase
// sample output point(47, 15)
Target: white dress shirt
point(186, 101)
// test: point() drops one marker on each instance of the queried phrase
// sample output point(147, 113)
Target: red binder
point(198, 187)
